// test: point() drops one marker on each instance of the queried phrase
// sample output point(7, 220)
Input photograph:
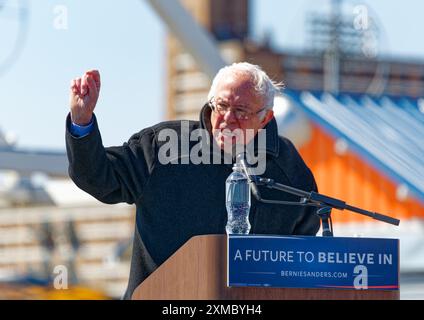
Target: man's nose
point(230, 116)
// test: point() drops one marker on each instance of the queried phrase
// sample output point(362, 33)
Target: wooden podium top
point(198, 271)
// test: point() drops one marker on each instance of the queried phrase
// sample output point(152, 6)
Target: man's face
point(236, 92)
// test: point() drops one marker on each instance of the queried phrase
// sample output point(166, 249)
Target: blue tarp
point(385, 131)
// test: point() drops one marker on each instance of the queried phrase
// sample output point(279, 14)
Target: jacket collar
point(272, 145)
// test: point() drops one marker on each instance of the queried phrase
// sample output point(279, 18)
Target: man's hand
point(83, 97)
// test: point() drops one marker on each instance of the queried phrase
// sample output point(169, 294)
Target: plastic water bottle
point(237, 201)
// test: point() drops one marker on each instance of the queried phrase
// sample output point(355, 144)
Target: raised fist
point(83, 96)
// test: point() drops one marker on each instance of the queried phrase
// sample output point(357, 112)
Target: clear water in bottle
point(237, 202)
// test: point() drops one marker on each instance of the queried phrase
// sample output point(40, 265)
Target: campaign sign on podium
point(313, 262)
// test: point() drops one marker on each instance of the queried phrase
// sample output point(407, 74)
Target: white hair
point(263, 85)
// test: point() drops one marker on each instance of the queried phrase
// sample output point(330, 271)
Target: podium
point(198, 271)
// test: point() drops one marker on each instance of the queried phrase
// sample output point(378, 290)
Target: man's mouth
point(227, 135)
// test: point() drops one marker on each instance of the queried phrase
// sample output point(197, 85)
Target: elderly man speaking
point(181, 198)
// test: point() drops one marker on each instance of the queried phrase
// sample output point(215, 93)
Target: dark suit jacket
point(177, 202)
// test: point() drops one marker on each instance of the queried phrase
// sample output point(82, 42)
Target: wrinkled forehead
point(236, 88)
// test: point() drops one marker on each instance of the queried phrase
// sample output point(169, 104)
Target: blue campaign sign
point(312, 262)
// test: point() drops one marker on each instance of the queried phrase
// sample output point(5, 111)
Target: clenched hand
point(83, 96)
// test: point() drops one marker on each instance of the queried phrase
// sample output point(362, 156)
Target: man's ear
point(267, 118)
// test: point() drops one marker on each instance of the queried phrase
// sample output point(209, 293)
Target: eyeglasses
point(222, 108)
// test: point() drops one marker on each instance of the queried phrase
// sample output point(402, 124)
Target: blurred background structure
point(354, 111)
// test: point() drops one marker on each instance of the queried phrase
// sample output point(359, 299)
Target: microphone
point(241, 158)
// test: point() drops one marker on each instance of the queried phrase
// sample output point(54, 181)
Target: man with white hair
point(249, 91)
point(180, 198)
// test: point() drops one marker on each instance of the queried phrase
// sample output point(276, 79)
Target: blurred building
point(92, 241)
point(48, 226)
point(356, 118)
point(229, 24)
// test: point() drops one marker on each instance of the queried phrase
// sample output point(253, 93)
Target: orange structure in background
point(350, 178)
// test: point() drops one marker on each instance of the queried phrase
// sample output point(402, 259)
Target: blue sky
point(125, 41)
